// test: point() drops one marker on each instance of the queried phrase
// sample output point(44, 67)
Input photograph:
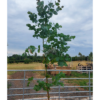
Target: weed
point(11, 72)
point(77, 89)
point(9, 85)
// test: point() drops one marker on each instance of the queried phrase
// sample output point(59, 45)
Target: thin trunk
point(48, 96)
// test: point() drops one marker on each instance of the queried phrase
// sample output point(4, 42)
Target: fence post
point(89, 87)
point(23, 85)
point(59, 89)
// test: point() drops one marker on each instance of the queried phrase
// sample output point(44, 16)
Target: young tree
point(45, 29)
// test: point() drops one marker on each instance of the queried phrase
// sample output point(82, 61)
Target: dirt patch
point(20, 75)
point(8, 76)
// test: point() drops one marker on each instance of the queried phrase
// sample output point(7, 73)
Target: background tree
point(91, 56)
point(80, 55)
point(76, 58)
point(35, 54)
point(83, 57)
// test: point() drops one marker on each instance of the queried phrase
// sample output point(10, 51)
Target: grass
point(77, 89)
point(35, 65)
point(9, 85)
point(79, 75)
point(11, 72)
point(20, 66)
point(80, 82)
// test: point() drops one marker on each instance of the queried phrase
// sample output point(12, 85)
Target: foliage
point(45, 29)
point(9, 85)
point(91, 56)
point(79, 54)
point(27, 60)
point(20, 59)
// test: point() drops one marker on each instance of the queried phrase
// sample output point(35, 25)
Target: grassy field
point(35, 65)
point(20, 66)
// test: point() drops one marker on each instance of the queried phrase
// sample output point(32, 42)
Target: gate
point(59, 87)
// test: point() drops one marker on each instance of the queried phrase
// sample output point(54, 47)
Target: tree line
point(18, 58)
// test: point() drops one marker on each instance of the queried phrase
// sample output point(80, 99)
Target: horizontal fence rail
point(52, 86)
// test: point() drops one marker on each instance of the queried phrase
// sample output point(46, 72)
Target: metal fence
point(59, 97)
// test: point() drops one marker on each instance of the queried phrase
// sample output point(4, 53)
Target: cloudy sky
point(76, 19)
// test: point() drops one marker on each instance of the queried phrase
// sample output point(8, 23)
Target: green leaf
point(41, 20)
point(24, 54)
point(28, 83)
point(51, 5)
point(72, 37)
point(41, 3)
point(30, 79)
point(32, 49)
point(60, 63)
point(60, 26)
point(57, 4)
point(45, 7)
point(29, 12)
point(57, 58)
point(47, 75)
point(58, 8)
point(37, 88)
point(52, 10)
point(26, 50)
point(46, 61)
point(55, 12)
point(31, 27)
point(62, 6)
point(53, 78)
point(53, 61)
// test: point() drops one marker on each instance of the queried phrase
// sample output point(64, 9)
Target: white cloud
point(75, 18)
point(87, 27)
point(63, 19)
point(14, 51)
point(20, 5)
point(10, 52)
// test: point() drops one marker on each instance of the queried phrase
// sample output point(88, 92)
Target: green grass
point(9, 85)
point(79, 75)
point(77, 89)
point(11, 72)
point(80, 82)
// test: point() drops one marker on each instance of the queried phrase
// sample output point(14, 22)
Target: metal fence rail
point(53, 86)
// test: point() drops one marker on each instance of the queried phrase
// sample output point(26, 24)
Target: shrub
point(27, 60)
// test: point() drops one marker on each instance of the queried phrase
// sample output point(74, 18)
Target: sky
point(76, 19)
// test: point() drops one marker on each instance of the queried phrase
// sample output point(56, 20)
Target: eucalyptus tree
point(47, 30)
